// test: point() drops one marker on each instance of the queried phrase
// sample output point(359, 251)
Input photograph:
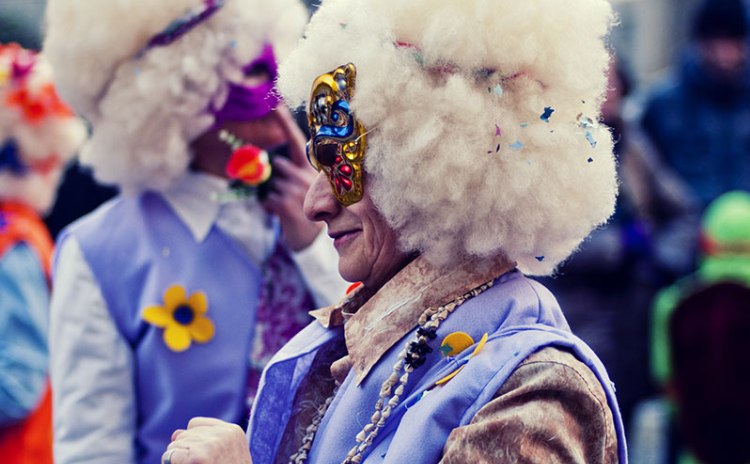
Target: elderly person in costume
point(169, 299)
point(38, 135)
point(457, 148)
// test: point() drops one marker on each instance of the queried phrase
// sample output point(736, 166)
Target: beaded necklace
point(411, 357)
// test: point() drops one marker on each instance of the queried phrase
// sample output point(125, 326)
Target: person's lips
point(343, 237)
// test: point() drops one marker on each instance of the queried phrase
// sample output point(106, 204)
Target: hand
point(292, 179)
point(208, 441)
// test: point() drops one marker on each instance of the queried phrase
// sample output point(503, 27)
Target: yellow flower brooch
point(183, 318)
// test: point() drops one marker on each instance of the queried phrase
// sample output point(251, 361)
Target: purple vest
point(521, 317)
point(137, 248)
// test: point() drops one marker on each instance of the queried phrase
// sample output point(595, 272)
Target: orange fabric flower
point(249, 164)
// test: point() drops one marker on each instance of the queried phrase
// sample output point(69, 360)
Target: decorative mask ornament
point(338, 141)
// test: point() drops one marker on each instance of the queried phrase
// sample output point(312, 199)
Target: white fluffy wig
point(482, 118)
point(146, 107)
point(38, 133)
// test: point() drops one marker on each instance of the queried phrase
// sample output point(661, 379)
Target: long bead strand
point(411, 357)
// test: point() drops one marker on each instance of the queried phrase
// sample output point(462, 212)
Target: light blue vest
point(521, 317)
point(137, 248)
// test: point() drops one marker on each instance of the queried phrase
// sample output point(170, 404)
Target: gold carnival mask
point(338, 141)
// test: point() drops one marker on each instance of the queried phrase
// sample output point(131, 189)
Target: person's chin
point(351, 264)
point(351, 270)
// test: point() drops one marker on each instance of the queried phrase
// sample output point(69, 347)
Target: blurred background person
point(708, 338)
point(169, 299)
point(78, 193)
point(606, 288)
point(699, 119)
point(715, 350)
point(38, 135)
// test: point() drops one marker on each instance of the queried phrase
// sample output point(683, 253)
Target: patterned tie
point(282, 312)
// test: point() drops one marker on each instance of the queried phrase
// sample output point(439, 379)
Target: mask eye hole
point(326, 153)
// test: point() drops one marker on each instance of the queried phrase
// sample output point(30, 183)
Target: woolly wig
point(38, 133)
point(147, 106)
point(481, 116)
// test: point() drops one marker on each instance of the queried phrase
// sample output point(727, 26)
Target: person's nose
point(320, 202)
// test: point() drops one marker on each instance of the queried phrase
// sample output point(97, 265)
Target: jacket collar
point(376, 321)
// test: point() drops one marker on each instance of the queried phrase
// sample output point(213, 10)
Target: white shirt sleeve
point(319, 266)
point(91, 368)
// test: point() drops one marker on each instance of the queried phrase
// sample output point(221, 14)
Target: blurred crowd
point(682, 216)
point(661, 293)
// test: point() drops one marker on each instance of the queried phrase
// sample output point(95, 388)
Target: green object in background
point(725, 228)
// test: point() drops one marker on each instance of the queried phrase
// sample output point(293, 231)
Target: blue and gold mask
point(338, 141)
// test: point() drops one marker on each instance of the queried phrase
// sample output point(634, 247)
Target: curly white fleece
point(60, 135)
point(435, 166)
point(146, 110)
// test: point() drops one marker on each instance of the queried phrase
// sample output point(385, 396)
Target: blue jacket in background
point(701, 126)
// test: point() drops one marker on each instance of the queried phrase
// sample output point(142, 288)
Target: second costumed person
point(169, 299)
